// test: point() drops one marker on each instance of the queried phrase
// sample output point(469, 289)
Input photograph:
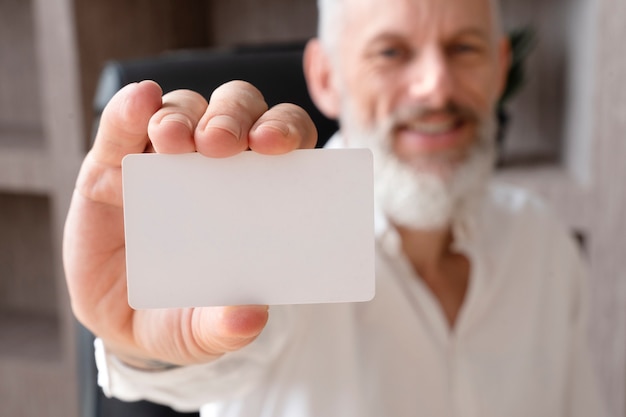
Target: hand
point(136, 120)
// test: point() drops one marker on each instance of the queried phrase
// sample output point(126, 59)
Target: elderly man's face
point(418, 81)
point(434, 66)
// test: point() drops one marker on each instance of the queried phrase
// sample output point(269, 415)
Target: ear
point(318, 71)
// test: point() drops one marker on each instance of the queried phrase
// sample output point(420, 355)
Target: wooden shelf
point(34, 377)
point(24, 162)
point(33, 338)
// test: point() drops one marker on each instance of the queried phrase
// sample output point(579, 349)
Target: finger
point(225, 329)
point(281, 129)
point(123, 126)
point(171, 129)
point(233, 108)
point(195, 335)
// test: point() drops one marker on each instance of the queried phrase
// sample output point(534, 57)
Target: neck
point(426, 249)
point(446, 273)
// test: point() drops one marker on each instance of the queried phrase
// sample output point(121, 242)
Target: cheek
point(371, 96)
point(478, 89)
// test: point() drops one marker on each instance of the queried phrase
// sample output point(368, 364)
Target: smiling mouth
point(433, 128)
point(431, 137)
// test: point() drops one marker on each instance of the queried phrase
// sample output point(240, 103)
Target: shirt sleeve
point(188, 388)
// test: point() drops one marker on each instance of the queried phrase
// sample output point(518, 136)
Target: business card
point(250, 229)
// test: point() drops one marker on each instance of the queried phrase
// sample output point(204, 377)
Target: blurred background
point(565, 140)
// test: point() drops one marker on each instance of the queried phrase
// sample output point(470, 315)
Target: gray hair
point(328, 22)
point(331, 11)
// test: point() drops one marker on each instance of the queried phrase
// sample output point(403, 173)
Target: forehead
point(368, 18)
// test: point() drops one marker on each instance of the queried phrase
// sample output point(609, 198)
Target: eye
point(393, 52)
point(464, 48)
point(390, 52)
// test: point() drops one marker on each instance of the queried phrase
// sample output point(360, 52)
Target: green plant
point(522, 41)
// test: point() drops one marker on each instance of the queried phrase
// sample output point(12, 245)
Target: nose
point(430, 79)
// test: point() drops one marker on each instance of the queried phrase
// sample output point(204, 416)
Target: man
point(479, 307)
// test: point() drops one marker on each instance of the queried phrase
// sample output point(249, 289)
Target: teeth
point(432, 128)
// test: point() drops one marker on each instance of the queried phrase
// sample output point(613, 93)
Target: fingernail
point(250, 309)
point(177, 118)
point(226, 123)
point(274, 126)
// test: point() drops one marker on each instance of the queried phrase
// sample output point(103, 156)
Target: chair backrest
point(276, 70)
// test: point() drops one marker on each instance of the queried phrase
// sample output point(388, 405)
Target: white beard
point(426, 197)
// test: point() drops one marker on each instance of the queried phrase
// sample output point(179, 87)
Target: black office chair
point(275, 69)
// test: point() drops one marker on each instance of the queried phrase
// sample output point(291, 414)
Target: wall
point(608, 199)
point(252, 22)
point(120, 29)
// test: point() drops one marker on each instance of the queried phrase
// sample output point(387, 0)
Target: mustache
point(418, 111)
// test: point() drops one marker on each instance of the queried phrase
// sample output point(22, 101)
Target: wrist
point(143, 364)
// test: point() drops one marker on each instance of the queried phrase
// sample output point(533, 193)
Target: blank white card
point(249, 229)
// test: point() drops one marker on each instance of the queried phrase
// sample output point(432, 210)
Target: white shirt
point(518, 348)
